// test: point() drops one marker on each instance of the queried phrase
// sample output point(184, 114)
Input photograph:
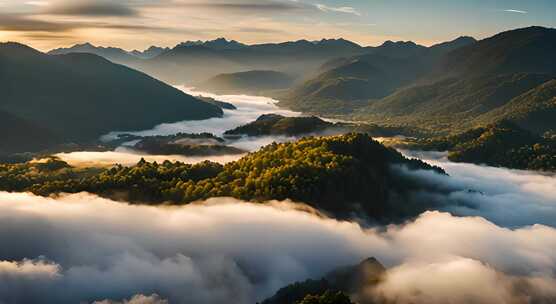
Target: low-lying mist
point(129, 157)
point(511, 198)
point(248, 109)
point(81, 248)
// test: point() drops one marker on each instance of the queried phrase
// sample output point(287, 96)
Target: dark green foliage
point(502, 145)
point(272, 124)
point(534, 110)
point(344, 280)
point(352, 83)
point(203, 144)
point(448, 88)
point(18, 135)
point(79, 97)
point(297, 291)
point(343, 175)
point(451, 105)
point(250, 82)
point(328, 297)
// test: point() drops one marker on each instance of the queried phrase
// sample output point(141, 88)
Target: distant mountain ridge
point(195, 61)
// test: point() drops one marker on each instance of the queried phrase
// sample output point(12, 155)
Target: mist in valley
point(224, 250)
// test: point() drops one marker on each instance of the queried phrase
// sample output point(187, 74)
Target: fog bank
point(507, 197)
point(227, 251)
point(129, 157)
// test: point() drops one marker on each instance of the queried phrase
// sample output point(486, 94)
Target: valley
point(173, 167)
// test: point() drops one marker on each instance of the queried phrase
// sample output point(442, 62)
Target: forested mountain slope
point(344, 176)
point(80, 97)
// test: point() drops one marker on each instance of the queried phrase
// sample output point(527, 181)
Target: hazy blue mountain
point(151, 52)
point(217, 44)
point(250, 82)
point(193, 62)
point(113, 54)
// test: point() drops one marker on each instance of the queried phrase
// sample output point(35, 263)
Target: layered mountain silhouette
point(196, 61)
point(445, 88)
point(374, 75)
point(448, 87)
point(80, 97)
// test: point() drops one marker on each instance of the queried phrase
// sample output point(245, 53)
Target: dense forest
point(327, 298)
point(333, 286)
point(274, 124)
point(342, 175)
point(204, 144)
point(503, 145)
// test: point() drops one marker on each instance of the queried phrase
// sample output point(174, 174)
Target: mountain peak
point(217, 44)
point(338, 42)
point(390, 43)
point(17, 48)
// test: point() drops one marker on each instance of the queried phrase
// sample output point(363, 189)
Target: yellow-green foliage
point(339, 174)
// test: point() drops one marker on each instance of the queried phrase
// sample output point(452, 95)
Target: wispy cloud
point(91, 8)
point(341, 9)
point(515, 11)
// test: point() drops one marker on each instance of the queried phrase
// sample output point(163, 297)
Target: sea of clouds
point(82, 248)
point(492, 241)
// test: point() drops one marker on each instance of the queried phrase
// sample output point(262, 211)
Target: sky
point(138, 24)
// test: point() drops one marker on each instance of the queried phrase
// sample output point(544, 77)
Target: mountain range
point(445, 88)
point(79, 97)
point(196, 61)
point(448, 87)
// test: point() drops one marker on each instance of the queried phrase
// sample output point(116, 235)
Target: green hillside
point(352, 83)
point(345, 176)
point(452, 104)
point(447, 88)
point(501, 145)
point(272, 124)
point(534, 110)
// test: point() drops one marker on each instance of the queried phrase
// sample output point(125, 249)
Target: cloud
point(245, 6)
point(137, 299)
point(30, 24)
point(460, 280)
point(91, 8)
point(512, 198)
point(24, 23)
point(228, 251)
point(341, 9)
point(128, 157)
point(515, 11)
